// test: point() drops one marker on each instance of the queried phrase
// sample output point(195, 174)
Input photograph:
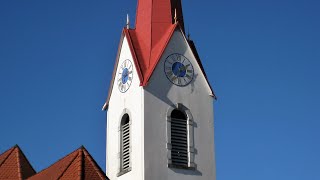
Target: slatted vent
point(125, 144)
point(179, 139)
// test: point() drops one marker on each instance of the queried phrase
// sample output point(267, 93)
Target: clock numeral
point(179, 81)
point(185, 80)
point(173, 59)
point(130, 78)
point(178, 57)
point(173, 78)
point(189, 71)
point(170, 73)
point(184, 59)
point(168, 68)
point(189, 77)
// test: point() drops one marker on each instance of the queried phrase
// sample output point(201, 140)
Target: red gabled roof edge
point(150, 70)
point(144, 78)
point(194, 51)
point(125, 33)
point(77, 159)
point(23, 170)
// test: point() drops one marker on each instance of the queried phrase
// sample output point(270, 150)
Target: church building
point(160, 103)
point(159, 109)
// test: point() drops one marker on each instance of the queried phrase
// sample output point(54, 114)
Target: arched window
point(125, 144)
point(179, 139)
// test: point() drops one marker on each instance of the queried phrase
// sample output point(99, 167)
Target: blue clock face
point(178, 69)
point(125, 76)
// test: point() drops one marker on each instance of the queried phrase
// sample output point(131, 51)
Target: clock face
point(125, 76)
point(178, 69)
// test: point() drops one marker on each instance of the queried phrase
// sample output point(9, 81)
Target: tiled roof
point(153, 29)
point(77, 165)
point(14, 165)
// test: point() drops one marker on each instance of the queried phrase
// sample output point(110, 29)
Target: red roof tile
point(154, 27)
point(77, 165)
point(14, 165)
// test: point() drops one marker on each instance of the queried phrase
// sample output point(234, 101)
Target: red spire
point(154, 26)
point(155, 14)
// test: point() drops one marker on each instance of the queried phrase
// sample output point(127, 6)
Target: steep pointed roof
point(77, 165)
point(15, 165)
point(155, 22)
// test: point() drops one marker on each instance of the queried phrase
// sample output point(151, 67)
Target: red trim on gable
point(154, 28)
point(158, 51)
point(15, 165)
point(125, 33)
point(133, 53)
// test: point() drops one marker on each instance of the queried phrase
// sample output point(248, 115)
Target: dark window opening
point(179, 139)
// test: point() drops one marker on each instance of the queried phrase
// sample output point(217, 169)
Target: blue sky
point(262, 58)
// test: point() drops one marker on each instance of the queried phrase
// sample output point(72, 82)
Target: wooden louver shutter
point(179, 142)
point(125, 136)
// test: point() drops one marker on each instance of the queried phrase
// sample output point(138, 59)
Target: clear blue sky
point(262, 58)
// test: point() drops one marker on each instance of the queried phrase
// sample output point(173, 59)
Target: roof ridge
point(11, 149)
point(81, 164)
point(18, 162)
point(21, 155)
point(69, 163)
point(94, 163)
point(56, 162)
point(25, 157)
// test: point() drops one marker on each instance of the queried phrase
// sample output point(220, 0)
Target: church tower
point(160, 103)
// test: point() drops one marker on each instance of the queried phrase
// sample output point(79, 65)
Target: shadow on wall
point(160, 79)
point(187, 172)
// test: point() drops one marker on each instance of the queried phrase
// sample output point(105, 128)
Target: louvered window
point(125, 144)
point(179, 139)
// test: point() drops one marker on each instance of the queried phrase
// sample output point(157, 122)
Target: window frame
point(122, 171)
point(190, 140)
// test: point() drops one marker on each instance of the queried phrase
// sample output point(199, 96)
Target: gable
point(178, 44)
point(125, 51)
point(14, 165)
point(145, 69)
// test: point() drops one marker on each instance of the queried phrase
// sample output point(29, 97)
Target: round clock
point(125, 76)
point(178, 69)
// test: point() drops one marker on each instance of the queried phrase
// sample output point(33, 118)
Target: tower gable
point(178, 44)
point(125, 51)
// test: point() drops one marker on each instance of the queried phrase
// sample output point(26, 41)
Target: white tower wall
point(159, 95)
point(132, 103)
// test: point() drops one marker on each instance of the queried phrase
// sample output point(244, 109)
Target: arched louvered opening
point(179, 138)
point(125, 143)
